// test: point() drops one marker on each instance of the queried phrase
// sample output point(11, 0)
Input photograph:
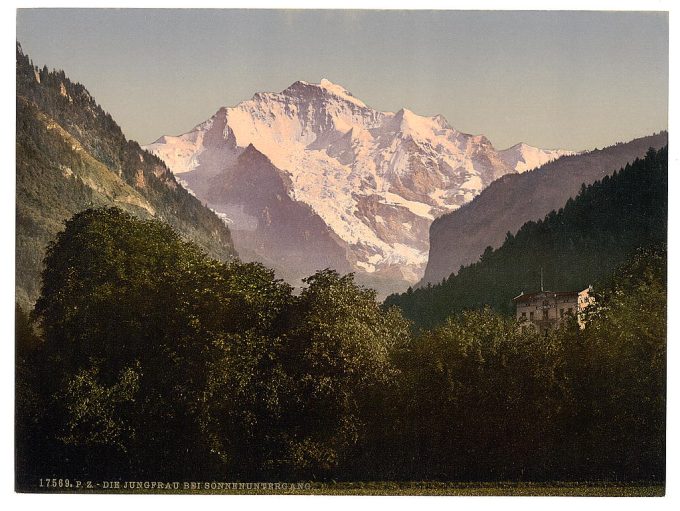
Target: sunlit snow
point(336, 150)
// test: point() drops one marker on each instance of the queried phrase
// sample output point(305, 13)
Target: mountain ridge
point(578, 244)
point(359, 169)
point(71, 155)
point(459, 238)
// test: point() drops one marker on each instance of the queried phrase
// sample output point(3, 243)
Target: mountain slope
point(458, 238)
point(576, 246)
point(376, 179)
point(285, 230)
point(71, 155)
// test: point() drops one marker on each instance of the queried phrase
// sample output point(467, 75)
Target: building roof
point(522, 297)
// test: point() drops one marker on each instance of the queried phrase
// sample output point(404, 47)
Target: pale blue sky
point(575, 80)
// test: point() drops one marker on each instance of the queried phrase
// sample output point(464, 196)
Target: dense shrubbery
point(146, 359)
point(576, 404)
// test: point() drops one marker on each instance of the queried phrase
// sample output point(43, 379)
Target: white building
point(546, 310)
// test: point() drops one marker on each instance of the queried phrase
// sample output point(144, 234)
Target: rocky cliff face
point(376, 180)
point(459, 238)
point(287, 233)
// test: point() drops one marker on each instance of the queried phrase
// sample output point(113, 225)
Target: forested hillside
point(458, 238)
point(576, 246)
point(71, 155)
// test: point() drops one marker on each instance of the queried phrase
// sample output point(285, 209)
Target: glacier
point(376, 179)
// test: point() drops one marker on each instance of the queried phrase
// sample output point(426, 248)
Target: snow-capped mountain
point(370, 182)
point(523, 157)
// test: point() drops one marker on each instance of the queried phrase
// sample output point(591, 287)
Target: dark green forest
point(145, 359)
point(579, 245)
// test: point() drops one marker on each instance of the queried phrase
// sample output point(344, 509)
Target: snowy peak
point(306, 90)
point(376, 179)
point(441, 121)
point(422, 127)
point(340, 91)
point(523, 157)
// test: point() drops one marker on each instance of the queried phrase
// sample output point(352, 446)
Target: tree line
point(146, 359)
point(579, 245)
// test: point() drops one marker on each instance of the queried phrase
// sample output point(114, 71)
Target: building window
point(545, 314)
point(561, 313)
point(531, 316)
point(571, 311)
point(524, 315)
